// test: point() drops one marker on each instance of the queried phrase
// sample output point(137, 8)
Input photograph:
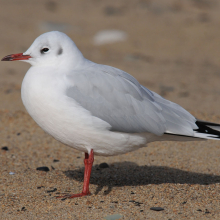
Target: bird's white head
point(50, 49)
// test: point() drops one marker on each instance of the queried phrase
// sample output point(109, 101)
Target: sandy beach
point(172, 48)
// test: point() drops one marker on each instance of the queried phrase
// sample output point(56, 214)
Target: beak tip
point(6, 58)
point(18, 56)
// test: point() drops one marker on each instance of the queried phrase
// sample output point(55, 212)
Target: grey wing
point(117, 98)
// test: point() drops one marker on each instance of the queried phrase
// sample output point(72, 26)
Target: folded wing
point(117, 98)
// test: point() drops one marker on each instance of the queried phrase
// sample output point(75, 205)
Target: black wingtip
point(203, 127)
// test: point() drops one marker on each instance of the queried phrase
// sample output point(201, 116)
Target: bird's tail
point(206, 130)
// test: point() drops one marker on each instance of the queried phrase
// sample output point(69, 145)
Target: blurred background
point(172, 47)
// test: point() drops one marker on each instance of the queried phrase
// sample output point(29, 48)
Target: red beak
point(18, 56)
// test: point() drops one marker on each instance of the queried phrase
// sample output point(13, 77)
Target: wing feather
point(117, 98)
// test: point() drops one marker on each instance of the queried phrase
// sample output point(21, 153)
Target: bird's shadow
point(130, 174)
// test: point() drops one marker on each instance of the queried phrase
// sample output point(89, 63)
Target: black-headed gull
point(98, 109)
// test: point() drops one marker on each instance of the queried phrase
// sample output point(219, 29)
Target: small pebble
point(207, 211)
point(46, 169)
point(53, 190)
point(103, 165)
point(114, 201)
point(114, 217)
point(23, 209)
point(11, 173)
point(157, 208)
point(55, 160)
point(5, 148)
point(138, 203)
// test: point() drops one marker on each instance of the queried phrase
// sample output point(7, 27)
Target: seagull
point(98, 109)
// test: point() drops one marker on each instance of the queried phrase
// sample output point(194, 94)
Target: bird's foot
point(70, 196)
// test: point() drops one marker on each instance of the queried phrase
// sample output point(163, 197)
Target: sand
point(173, 49)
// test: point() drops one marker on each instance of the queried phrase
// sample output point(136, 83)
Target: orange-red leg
point(88, 161)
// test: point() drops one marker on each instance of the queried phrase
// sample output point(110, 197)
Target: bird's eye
point(44, 50)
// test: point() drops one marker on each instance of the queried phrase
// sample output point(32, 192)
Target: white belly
point(63, 118)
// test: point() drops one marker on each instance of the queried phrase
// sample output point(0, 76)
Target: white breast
point(43, 95)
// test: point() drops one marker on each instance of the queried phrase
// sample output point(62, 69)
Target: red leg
point(88, 161)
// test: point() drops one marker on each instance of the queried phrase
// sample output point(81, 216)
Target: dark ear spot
point(60, 51)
